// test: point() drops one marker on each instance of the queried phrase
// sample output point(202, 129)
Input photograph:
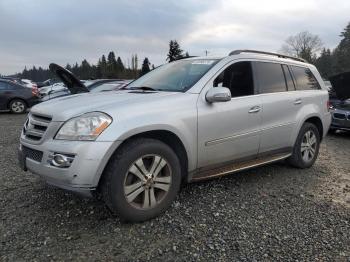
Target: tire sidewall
point(297, 148)
point(122, 165)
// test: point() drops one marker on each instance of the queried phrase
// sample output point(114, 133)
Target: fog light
point(60, 160)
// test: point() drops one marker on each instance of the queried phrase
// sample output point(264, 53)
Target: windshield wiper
point(144, 88)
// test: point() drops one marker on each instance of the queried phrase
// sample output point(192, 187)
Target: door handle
point(254, 109)
point(297, 101)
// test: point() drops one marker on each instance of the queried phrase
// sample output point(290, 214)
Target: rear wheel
point(17, 106)
point(306, 147)
point(141, 180)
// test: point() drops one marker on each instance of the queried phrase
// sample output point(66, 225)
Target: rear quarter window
point(305, 79)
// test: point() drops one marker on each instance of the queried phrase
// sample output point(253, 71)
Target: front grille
point(36, 126)
point(339, 116)
point(33, 154)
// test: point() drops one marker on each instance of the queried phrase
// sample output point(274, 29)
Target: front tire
point(306, 147)
point(141, 180)
point(17, 106)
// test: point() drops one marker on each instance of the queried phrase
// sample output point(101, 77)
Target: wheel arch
point(165, 136)
point(317, 122)
point(16, 98)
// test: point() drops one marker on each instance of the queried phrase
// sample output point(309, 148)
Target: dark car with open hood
point(72, 85)
point(340, 102)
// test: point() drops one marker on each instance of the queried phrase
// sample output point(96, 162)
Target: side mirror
point(218, 94)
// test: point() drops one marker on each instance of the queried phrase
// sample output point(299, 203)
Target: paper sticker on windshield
point(203, 62)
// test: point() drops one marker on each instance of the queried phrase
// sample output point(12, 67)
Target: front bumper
point(89, 160)
point(342, 123)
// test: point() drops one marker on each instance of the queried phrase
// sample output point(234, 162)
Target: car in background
point(96, 85)
point(110, 86)
point(46, 90)
point(17, 98)
point(45, 83)
point(28, 83)
point(340, 102)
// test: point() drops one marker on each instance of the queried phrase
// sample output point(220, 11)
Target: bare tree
point(304, 45)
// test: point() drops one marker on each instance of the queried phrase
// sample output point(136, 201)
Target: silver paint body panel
point(210, 133)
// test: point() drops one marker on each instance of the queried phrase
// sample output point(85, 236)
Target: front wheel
point(141, 180)
point(306, 147)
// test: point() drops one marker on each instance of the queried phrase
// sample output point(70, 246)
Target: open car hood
point(72, 83)
point(341, 85)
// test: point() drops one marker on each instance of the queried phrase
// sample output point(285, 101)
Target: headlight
point(85, 127)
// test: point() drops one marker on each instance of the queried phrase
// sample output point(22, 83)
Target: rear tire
point(306, 147)
point(141, 180)
point(18, 106)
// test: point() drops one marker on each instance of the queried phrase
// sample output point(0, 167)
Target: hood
point(64, 108)
point(341, 85)
point(73, 84)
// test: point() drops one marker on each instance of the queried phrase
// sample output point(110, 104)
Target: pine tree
point(145, 66)
point(175, 52)
point(85, 70)
point(111, 65)
point(324, 63)
point(120, 65)
point(342, 52)
point(103, 67)
point(69, 67)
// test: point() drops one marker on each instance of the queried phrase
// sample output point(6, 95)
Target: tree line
point(110, 67)
point(106, 67)
point(310, 47)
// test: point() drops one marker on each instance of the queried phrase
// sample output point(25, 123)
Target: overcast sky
point(37, 32)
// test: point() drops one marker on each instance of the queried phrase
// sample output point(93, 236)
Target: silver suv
point(188, 120)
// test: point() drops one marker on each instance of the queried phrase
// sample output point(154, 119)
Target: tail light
point(329, 105)
point(35, 90)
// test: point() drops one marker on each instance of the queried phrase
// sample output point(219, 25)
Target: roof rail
point(237, 52)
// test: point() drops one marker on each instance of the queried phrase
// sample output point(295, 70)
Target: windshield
point(176, 76)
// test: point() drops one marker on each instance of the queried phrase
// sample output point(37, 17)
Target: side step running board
point(238, 166)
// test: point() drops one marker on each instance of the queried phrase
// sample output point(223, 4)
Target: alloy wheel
point(308, 146)
point(17, 107)
point(147, 181)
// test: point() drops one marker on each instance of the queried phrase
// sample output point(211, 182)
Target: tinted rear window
point(305, 79)
point(270, 77)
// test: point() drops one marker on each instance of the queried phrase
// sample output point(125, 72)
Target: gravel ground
point(270, 213)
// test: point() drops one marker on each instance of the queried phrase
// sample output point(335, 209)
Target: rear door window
point(270, 77)
point(305, 79)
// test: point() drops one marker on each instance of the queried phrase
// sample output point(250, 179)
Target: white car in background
point(28, 83)
point(52, 88)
